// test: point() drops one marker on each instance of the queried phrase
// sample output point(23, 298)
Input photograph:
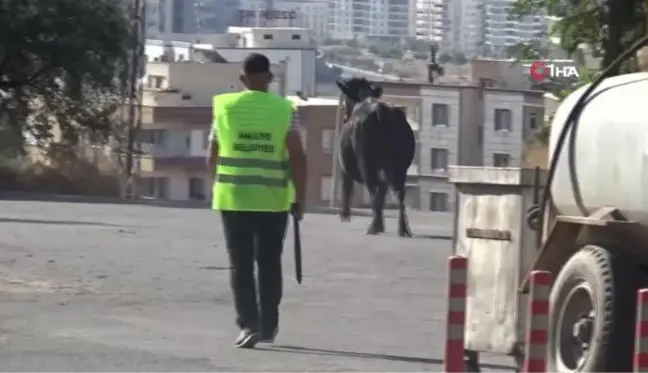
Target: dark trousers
point(250, 237)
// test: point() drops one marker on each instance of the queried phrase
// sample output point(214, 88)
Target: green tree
point(444, 58)
point(353, 43)
point(386, 50)
point(561, 88)
point(608, 27)
point(421, 55)
point(418, 45)
point(532, 50)
point(459, 58)
point(63, 62)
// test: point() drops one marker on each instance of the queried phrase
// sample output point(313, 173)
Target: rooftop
point(314, 101)
point(236, 29)
point(423, 84)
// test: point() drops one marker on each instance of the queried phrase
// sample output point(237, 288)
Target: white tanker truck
point(592, 234)
point(598, 246)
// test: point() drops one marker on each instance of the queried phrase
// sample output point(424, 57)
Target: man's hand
point(212, 158)
point(297, 211)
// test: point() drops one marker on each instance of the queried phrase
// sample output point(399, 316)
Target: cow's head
point(356, 90)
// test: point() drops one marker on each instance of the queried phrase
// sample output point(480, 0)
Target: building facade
point(464, 125)
point(308, 14)
point(215, 16)
point(165, 19)
point(431, 20)
point(477, 27)
point(501, 32)
point(290, 45)
point(385, 19)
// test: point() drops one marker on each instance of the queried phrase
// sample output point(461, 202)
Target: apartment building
point(465, 125)
point(501, 32)
point(292, 45)
point(431, 20)
point(308, 14)
point(385, 19)
point(166, 18)
point(176, 120)
point(215, 16)
point(482, 27)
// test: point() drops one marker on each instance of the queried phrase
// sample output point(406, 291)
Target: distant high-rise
point(393, 19)
point(214, 16)
point(310, 14)
point(190, 16)
point(479, 27)
point(431, 19)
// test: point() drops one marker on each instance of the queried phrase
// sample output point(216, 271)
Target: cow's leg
point(347, 194)
point(377, 193)
point(403, 226)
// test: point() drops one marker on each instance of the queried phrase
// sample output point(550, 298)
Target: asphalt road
point(93, 287)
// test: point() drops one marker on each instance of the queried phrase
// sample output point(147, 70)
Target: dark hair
point(256, 63)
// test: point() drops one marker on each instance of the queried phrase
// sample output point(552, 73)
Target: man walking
point(257, 156)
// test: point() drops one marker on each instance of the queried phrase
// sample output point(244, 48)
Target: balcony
point(176, 117)
point(157, 157)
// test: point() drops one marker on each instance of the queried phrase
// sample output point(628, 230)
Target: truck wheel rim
point(575, 328)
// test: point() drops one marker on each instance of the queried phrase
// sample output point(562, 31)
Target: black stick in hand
point(297, 243)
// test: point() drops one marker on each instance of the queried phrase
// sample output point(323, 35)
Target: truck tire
point(605, 283)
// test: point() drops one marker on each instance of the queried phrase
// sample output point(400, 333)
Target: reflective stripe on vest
point(253, 179)
point(254, 163)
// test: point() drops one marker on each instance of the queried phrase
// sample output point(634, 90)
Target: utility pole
point(134, 102)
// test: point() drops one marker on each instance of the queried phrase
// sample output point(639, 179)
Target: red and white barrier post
point(456, 317)
point(640, 361)
point(537, 333)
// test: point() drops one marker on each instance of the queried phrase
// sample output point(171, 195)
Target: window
point(155, 81)
point(501, 160)
point(296, 37)
point(153, 136)
point(325, 188)
point(438, 159)
point(440, 115)
point(328, 141)
point(206, 134)
point(502, 120)
point(196, 189)
point(533, 121)
point(154, 187)
point(267, 37)
point(438, 202)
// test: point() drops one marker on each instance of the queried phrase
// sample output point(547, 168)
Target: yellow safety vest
point(253, 171)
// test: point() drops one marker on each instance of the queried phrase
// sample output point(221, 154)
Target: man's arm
point(297, 157)
point(212, 153)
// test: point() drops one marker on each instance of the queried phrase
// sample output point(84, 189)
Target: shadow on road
point(363, 355)
point(54, 222)
point(432, 236)
point(366, 355)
